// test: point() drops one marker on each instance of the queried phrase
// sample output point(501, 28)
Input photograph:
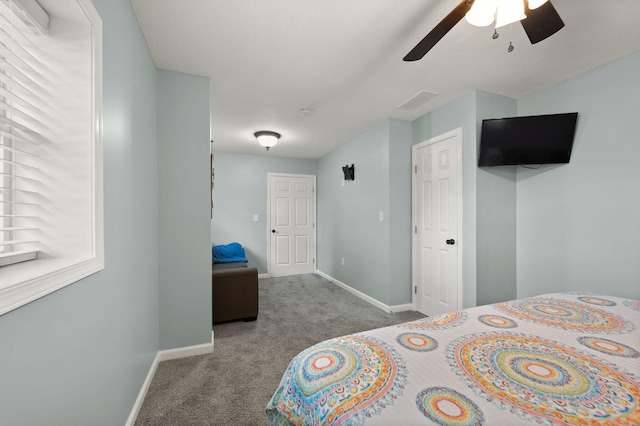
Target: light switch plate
point(255, 217)
point(381, 216)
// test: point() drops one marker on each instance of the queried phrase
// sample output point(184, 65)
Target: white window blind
point(20, 178)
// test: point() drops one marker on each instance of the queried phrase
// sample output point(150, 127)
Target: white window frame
point(42, 280)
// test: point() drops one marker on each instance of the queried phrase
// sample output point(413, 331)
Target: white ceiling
point(342, 60)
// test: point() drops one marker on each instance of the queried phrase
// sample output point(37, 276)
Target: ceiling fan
point(538, 18)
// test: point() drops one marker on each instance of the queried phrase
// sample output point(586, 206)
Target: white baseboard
point(205, 348)
point(165, 355)
point(374, 302)
point(401, 308)
point(264, 276)
point(133, 415)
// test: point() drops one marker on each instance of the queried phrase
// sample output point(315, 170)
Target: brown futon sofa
point(235, 292)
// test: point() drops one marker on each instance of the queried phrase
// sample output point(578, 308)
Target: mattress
point(561, 358)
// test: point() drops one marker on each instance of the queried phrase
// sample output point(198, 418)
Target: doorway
point(292, 227)
point(437, 224)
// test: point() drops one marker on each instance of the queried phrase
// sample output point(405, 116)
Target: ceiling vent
point(417, 100)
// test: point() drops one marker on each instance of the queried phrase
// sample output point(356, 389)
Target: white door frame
point(313, 217)
point(457, 133)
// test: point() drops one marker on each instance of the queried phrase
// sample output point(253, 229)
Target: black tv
point(536, 139)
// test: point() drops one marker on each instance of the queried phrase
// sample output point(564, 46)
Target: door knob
point(451, 242)
point(273, 231)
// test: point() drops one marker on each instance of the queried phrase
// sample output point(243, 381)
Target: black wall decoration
point(349, 172)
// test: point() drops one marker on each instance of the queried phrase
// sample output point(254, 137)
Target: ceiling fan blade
point(541, 22)
point(439, 31)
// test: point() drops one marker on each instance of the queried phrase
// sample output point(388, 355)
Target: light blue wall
point(399, 212)
point(240, 191)
point(79, 356)
point(184, 210)
point(459, 113)
point(348, 224)
point(377, 254)
point(387, 149)
point(578, 226)
point(496, 214)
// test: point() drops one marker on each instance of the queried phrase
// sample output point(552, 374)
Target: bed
point(561, 358)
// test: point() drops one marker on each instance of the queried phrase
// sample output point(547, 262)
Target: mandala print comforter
point(562, 358)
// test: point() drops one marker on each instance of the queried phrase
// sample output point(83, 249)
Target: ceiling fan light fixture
point(534, 4)
point(482, 13)
point(267, 138)
point(540, 24)
point(509, 11)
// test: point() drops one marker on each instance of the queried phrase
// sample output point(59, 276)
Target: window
point(51, 226)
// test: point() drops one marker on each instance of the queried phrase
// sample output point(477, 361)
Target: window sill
point(23, 283)
point(7, 259)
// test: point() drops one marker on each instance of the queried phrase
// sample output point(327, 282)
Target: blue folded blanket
point(228, 253)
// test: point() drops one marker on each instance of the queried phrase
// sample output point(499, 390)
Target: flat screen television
point(537, 139)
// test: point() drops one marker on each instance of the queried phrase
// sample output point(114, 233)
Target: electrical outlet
point(381, 216)
point(342, 261)
point(255, 217)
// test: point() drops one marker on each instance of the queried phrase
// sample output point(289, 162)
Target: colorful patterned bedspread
point(562, 358)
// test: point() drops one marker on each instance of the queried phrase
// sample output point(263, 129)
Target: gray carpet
point(233, 385)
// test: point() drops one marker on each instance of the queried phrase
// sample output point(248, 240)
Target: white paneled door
point(437, 221)
point(292, 233)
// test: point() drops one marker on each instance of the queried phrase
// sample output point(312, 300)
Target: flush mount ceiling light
point(503, 12)
point(267, 138)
